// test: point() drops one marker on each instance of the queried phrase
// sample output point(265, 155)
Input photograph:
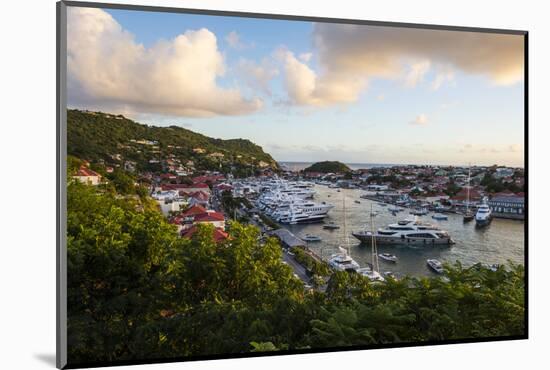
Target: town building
point(87, 176)
point(508, 205)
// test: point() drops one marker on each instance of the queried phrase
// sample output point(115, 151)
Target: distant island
point(328, 167)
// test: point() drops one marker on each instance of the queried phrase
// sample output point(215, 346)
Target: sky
point(306, 91)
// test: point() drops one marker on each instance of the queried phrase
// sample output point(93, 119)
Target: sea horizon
point(300, 165)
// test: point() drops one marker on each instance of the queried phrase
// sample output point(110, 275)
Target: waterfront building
point(508, 205)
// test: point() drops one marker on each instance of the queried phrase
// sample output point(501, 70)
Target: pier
point(288, 239)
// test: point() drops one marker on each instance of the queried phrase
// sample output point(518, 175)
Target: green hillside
point(328, 167)
point(97, 136)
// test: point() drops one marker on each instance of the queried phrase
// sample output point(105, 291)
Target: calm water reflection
point(502, 240)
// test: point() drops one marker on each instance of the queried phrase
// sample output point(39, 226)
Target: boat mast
point(346, 238)
point(374, 249)
point(468, 192)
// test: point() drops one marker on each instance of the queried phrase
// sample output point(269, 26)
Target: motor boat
point(467, 216)
point(435, 265)
point(388, 257)
point(311, 238)
point(331, 226)
point(440, 217)
point(343, 262)
point(419, 212)
point(372, 275)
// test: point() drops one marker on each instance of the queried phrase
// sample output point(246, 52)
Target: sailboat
point(342, 261)
point(468, 215)
point(372, 273)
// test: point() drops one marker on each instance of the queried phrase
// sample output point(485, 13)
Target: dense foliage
point(328, 167)
point(136, 290)
point(99, 136)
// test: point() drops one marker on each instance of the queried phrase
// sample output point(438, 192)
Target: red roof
point(211, 178)
point(199, 195)
point(219, 234)
point(195, 210)
point(85, 171)
point(224, 187)
point(463, 195)
point(209, 217)
point(182, 186)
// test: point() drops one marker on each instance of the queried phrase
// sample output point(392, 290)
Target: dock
point(288, 239)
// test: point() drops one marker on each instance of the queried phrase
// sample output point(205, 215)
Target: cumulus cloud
point(420, 120)
point(234, 40)
point(107, 69)
point(306, 57)
point(350, 55)
point(304, 87)
point(257, 75)
point(416, 73)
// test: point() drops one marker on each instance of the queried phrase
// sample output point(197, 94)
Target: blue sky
point(307, 92)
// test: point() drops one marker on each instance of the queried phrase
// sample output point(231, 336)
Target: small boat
point(419, 212)
point(467, 217)
point(440, 216)
point(388, 257)
point(338, 190)
point(374, 213)
point(435, 265)
point(311, 238)
point(382, 204)
point(358, 202)
point(331, 226)
point(372, 275)
point(395, 209)
point(389, 274)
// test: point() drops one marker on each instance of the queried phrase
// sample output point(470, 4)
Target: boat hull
point(367, 239)
point(483, 222)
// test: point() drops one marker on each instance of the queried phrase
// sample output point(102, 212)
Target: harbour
point(497, 243)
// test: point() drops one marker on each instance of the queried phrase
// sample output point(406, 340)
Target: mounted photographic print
point(238, 184)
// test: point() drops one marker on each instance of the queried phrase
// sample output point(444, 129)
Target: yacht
point(331, 226)
point(407, 232)
point(419, 212)
point(371, 274)
point(343, 262)
point(483, 215)
point(388, 257)
point(299, 216)
point(311, 238)
point(435, 265)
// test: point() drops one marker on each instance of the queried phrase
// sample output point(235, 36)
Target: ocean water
point(499, 242)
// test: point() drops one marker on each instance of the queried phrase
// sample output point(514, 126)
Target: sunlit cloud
point(350, 55)
point(420, 120)
point(108, 69)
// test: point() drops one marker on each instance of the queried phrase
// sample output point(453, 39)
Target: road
point(299, 270)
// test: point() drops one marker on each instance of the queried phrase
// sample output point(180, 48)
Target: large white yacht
point(483, 215)
point(408, 232)
point(299, 216)
point(287, 202)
